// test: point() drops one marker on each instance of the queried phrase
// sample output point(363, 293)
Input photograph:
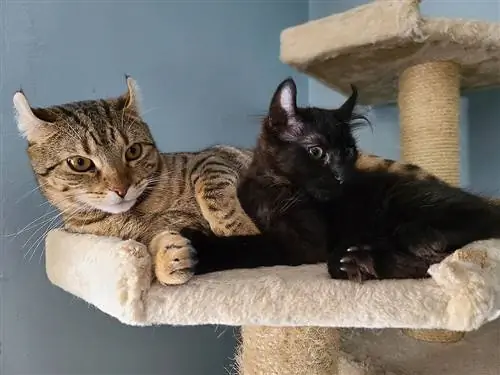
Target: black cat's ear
point(284, 101)
point(282, 117)
point(346, 110)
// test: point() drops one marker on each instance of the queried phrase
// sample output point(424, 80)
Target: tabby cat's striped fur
point(97, 162)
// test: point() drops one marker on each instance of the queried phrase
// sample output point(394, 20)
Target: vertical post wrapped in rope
point(288, 351)
point(429, 101)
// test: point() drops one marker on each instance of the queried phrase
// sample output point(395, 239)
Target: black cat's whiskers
point(288, 203)
point(258, 116)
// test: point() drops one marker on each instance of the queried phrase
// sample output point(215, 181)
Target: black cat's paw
point(197, 237)
point(357, 265)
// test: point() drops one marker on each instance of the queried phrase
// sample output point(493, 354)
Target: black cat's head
point(312, 147)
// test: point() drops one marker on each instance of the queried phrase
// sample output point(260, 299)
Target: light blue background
point(206, 69)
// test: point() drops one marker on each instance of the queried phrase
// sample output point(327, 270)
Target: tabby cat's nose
point(121, 191)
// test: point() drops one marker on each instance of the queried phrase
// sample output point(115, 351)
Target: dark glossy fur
point(365, 224)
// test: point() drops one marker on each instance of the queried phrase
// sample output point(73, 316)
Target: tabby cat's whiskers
point(49, 223)
point(25, 195)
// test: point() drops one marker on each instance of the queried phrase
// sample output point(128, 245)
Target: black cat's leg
point(419, 246)
point(215, 253)
point(374, 262)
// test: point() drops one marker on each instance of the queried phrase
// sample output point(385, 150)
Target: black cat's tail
point(224, 253)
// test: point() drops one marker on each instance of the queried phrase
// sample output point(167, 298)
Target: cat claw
point(359, 248)
point(175, 258)
point(353, 273)
point(359, 263)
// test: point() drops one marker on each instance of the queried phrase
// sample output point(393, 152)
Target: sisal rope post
point(288, 351)
point(429, 101)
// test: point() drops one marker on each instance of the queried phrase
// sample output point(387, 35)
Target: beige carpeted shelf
point(116, 277)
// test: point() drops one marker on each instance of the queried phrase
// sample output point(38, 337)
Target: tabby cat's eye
point(134, 152)
point(316, 152)
point(80, 164)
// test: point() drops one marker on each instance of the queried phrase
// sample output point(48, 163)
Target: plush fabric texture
point(371, 45)
point(115, 276)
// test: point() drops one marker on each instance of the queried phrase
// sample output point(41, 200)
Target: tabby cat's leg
point(174, 258)
point(216, 194)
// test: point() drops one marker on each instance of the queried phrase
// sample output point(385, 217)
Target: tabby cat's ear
point(346, 110)
point(131, 100)
point(284, 101)
point(33, 123)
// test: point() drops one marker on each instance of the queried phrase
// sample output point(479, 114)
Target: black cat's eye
point(316, 152)
point(80, 164)
point(134, 152)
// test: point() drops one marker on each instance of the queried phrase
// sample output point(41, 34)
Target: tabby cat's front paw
point(356, 265)
point(175, 258)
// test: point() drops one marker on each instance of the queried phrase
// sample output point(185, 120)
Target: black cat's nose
point(339, 175)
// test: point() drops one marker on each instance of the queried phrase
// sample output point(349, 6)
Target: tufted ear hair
point(32, 123)
point(346, 111)
point(131, 100)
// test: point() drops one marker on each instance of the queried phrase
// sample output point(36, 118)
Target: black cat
point(312, 205)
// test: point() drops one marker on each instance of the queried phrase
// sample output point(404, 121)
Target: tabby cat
point(97, 162)
point(312, 204)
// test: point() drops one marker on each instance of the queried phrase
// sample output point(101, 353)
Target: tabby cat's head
point(90, 155)
point(312, 147)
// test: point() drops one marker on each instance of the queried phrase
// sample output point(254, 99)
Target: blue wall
point(484, 120)
point(477, 109)
point(205, 69)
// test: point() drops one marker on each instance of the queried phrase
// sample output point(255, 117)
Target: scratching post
point(429, 106)
point(288, 350)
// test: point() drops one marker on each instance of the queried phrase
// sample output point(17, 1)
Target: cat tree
point(290, 315)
